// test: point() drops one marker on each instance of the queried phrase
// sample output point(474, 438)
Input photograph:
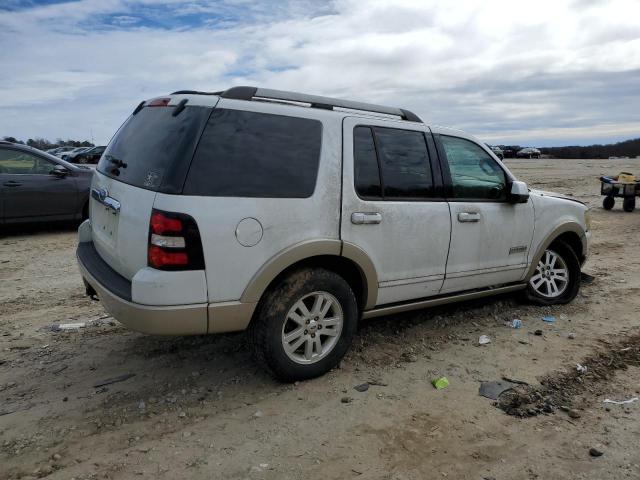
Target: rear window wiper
point(116, 162)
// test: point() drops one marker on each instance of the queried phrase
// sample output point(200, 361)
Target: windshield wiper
point(117, 163)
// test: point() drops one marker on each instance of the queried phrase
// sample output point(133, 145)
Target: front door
point(30, 191)
point(490, 237)
point(391, 209)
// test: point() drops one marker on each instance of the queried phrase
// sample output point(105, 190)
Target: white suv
point(293, 216)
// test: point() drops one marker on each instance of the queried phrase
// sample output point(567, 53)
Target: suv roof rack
point(314, 101)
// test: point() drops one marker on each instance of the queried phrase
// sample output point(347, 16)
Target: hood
point(543, 193)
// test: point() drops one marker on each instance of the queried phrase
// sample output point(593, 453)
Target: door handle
point(12, 183)
point(468, 217)
point(366, 218)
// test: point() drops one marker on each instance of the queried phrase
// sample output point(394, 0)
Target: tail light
point(174, 242)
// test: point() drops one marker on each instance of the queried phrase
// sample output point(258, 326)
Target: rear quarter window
point(250, 154)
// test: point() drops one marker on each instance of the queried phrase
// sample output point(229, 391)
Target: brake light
point(161, 224)
point(159, 257)
point(158, 102)
point(174, 242)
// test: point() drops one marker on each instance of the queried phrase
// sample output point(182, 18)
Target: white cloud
point(558, 69)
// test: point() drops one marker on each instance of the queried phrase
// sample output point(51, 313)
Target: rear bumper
point(114, 292)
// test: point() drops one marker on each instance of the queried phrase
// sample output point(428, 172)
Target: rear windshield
point(153, 149)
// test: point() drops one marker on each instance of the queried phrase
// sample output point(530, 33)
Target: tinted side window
point(366, 172)
point(404, 160)
point(21, 163)
point(474, 173)
point(249, 154)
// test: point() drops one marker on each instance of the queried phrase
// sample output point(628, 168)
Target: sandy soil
point(200, 408)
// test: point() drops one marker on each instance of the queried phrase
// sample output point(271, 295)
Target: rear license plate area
point(105, 223)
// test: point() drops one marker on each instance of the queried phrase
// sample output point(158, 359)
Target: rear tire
point(629, 204)
point(304, 325)
point(608, 203)
point(556, 279)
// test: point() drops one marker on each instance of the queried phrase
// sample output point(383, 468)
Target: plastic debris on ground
point(515, 323)
point(549, 319)
point(621, 402)
point(493, 390)
point(483, 340)
point(109, 381)
point(581, 368)
point(68, 326)
point(440, 383)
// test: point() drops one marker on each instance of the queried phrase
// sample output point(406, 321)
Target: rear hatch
point(150, 153)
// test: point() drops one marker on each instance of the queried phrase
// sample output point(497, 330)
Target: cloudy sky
point(539, 73)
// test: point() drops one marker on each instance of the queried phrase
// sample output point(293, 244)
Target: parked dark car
point(90, 156)
point(36, 186)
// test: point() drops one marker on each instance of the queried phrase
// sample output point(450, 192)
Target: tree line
point(44, 144)
point(628, 148)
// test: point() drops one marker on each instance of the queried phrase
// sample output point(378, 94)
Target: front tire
point(305, 324)
point(556, 279)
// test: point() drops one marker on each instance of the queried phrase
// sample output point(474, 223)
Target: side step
point(434, 302)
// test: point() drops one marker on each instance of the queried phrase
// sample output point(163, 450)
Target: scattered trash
point(440, 383)
point(513, 380)
point(581, 368)
point(346, 399)
point(538, 333)
point(182, 414)
point(563, 317)
point(493, 390)
point(594, 452)
point(549, 319)
point(259, 414)
point(109, 381)
point(621, 402)
point(377, 382)
point(141, 405)
point(516, 323)
point(484, 340)
point(59, 369)
point(362, 387)
point(571, 336)
point(68, 326)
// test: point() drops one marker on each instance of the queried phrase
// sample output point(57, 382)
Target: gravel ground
point(199, 407)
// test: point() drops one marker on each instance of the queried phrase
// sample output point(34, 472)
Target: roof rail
point(314, 101)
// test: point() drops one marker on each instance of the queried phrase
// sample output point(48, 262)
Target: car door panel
point(407, 240)
point(490, 238)
point(30, 192)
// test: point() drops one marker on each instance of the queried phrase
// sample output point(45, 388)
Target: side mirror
point(519, 192)
point(59, 171)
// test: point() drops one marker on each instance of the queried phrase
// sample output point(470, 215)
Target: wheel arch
point(345, 259)
point(571, 233)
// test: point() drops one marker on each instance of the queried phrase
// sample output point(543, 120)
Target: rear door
point(31, 191)
point(490, 237)
point(393, 207)
point(150, 153)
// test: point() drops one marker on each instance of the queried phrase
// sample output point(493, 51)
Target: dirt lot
point(200, 408)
